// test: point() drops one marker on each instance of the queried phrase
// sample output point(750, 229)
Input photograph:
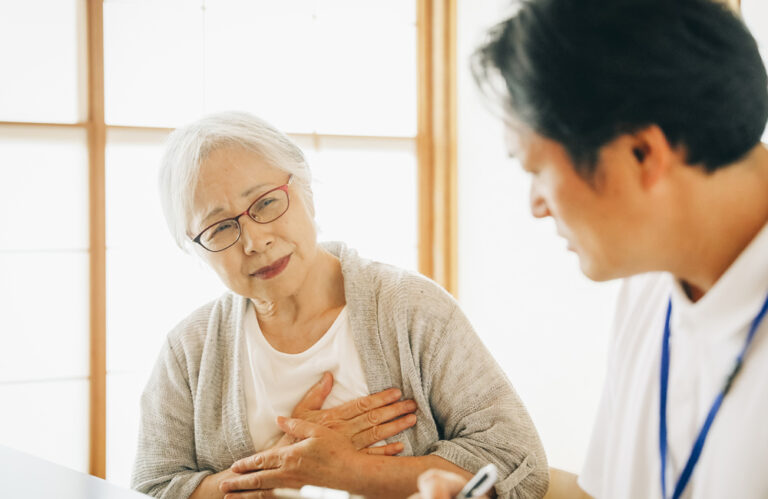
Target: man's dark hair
point(582, 72)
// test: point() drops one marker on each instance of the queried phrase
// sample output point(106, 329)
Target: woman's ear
point(652, 153)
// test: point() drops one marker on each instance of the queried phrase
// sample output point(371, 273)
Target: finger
point(262, 461)
point(259, 480)
point(284, 441)
point(392, 449)
point(361, 405)
point(381, 415)
point(439, 484)
point(315, 396)
point(381, 432)
point(300, 429)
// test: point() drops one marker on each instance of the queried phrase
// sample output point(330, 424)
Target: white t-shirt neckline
point(252, 325)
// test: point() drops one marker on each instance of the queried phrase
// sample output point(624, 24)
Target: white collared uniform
point(274, 382)
point(623, 457)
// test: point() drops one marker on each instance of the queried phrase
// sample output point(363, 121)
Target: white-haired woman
point(237, 193)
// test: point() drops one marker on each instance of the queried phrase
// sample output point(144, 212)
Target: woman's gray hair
point(188, 147)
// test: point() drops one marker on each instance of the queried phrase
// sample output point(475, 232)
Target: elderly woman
point(237, 192)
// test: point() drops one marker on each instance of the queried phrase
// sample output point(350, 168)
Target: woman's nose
point(255, 237)
point(539, 207)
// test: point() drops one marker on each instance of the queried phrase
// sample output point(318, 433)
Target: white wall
point(544, 321)
point(755, 14)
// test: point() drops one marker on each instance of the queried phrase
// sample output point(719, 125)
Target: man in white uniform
point(640, 123)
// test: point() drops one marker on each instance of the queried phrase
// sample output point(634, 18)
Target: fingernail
point(281, 420)
point(397, 393)
point(411, 418)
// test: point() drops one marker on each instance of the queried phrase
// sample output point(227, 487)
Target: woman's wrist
point(209, 486)
point(364, 472)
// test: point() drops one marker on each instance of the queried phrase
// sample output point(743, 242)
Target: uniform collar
point(732, 302)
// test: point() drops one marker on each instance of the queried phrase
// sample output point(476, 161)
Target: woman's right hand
point(364, 421)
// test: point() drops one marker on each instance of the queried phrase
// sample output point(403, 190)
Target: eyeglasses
point(267, 208)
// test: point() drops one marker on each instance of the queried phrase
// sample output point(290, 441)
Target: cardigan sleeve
point(482, 420)
point(166, 464)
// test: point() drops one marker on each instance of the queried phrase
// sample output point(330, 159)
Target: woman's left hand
point(322, 457)
point(364, 420)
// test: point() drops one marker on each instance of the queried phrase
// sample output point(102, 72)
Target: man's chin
point(594, 271)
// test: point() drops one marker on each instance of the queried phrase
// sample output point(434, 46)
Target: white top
point(623, 457)
point(274, 382)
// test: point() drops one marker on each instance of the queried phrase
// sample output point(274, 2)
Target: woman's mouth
point(272, 270)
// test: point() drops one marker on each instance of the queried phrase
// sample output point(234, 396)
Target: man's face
point(597, 217)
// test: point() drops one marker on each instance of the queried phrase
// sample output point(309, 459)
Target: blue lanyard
point(699, 444)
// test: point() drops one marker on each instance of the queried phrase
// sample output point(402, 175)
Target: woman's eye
point(264, 203)
point(222, 227)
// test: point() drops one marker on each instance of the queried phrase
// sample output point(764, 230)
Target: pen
point(480, 483)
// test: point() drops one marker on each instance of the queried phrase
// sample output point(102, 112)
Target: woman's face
point(269, 261)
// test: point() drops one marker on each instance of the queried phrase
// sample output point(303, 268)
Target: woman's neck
point(295, 323)
point(322, 290)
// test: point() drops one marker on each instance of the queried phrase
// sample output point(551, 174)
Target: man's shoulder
point(646, 287)
point(640, 307)
point(642, 295)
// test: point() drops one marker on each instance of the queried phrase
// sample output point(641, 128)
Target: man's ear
point(652, 153)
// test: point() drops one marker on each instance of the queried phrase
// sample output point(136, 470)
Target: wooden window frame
point(436, 142)
point(97, 143)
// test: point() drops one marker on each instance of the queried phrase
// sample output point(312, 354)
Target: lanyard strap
point(699, 444)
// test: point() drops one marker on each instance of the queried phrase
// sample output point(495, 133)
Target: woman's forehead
point(235, 161)
point(228, 178)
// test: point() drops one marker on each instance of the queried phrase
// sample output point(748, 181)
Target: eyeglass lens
point(264, 210)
